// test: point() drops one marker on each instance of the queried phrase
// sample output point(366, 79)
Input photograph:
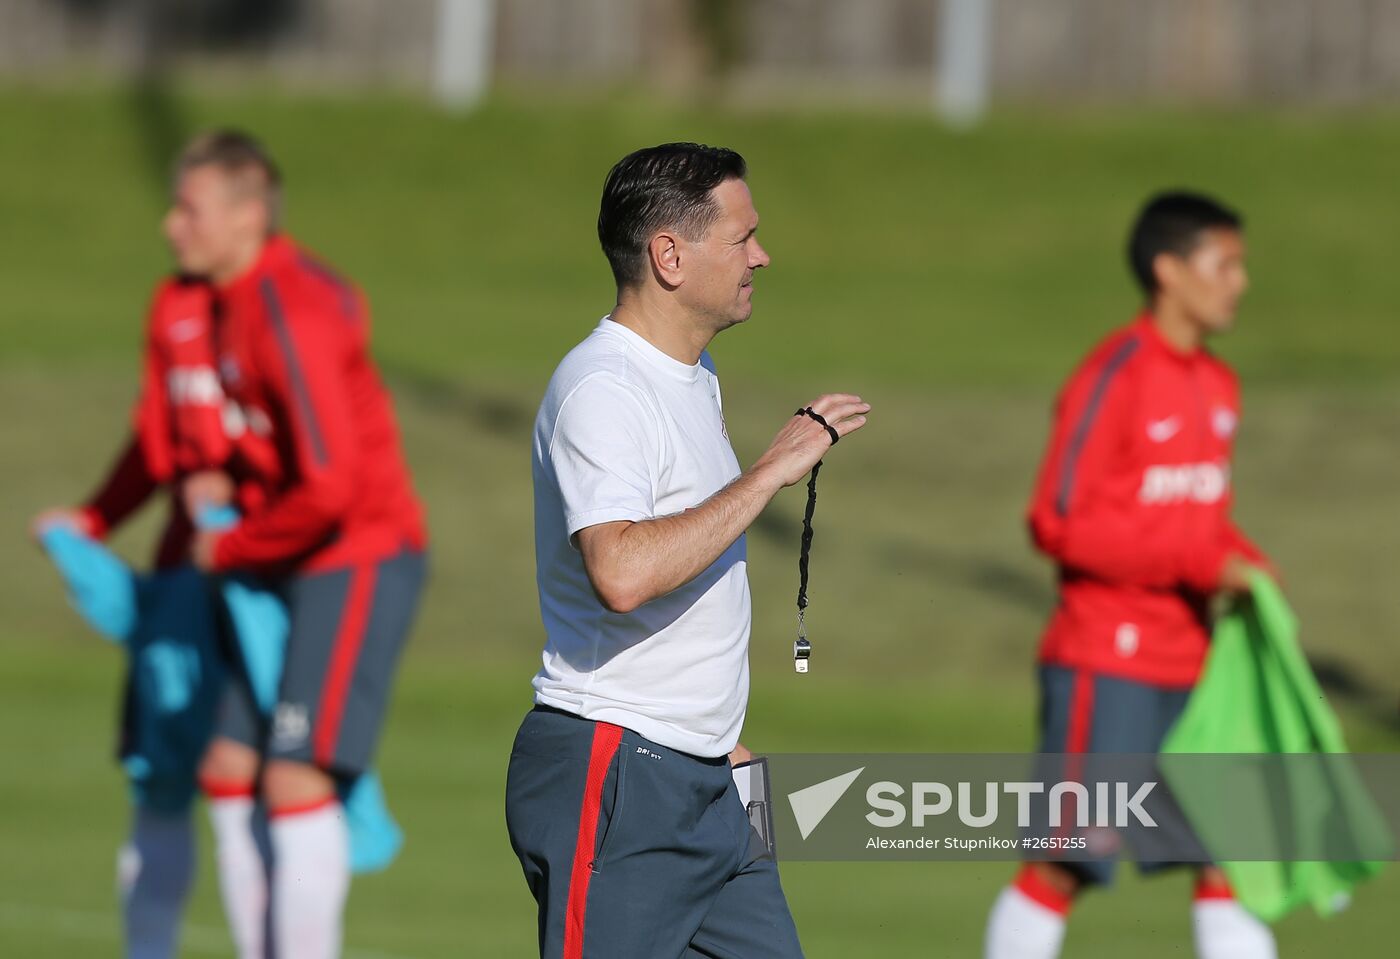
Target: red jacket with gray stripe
point(317, 428)
point(1133, 504)
point(177, 423)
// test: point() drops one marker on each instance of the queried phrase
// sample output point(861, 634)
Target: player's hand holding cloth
point(1258, 696)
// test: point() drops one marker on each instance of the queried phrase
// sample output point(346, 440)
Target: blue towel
point(100, 586)
point(375, 838)
point(167, 622)
point(259, 619)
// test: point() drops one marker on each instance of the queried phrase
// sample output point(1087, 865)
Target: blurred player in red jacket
point(259, 391)
point(328, 510)
point(1133, 505)
point(183, 429)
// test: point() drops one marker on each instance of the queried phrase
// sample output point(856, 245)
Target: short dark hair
point(1172, 222)
point(241, 157)
point(658, 188)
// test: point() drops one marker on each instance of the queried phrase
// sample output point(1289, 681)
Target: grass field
point(950, 278)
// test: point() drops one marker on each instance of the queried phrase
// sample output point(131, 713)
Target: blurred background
point(945, 190)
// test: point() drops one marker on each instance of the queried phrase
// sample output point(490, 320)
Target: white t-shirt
point(625, 432)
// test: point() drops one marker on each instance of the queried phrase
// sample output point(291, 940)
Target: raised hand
point(803, 441)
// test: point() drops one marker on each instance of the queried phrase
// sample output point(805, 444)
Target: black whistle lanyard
point(801, 648)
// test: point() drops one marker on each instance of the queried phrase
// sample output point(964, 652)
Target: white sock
point(1021, 928)
point(243, 870)
point(1226, 930)
point(310, 882)
point(154, 870)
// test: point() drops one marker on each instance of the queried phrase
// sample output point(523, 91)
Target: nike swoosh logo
point(182, 331)
point(1159, 431)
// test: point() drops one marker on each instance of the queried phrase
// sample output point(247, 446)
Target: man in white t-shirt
point(620, 801)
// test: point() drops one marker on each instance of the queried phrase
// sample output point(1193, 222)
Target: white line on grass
point(104, 927)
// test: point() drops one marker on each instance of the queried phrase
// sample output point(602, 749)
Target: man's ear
point(1166, 269)
point(664, 252)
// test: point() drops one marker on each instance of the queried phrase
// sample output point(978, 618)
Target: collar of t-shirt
point(686, 372)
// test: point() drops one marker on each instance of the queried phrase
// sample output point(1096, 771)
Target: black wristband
point(808, 411)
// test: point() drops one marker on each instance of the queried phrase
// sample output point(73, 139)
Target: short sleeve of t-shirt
point(604, 454)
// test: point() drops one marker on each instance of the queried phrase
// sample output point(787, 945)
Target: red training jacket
point(314, 426)
point(177, 423)
point(1133, 504)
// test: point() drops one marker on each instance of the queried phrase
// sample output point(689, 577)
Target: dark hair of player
point(1172, 222)
point(666, 187)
